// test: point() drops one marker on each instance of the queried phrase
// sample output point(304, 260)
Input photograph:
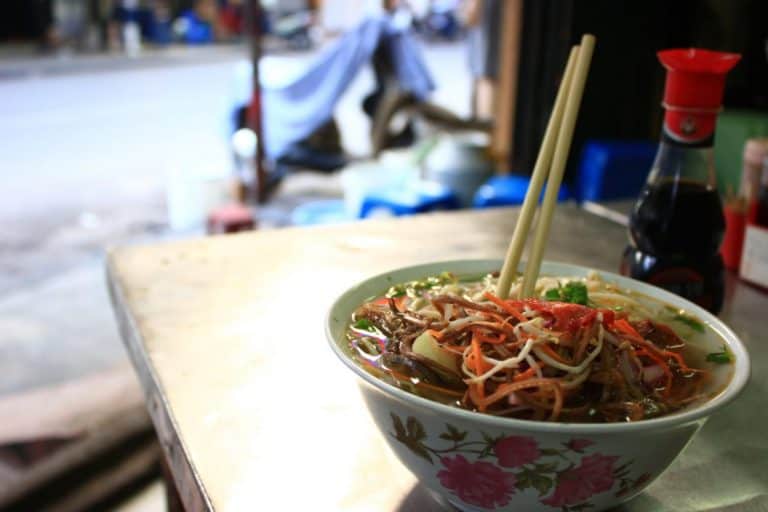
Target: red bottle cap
point(694, 91)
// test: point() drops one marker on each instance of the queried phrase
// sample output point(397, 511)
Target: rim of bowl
point(737, 382)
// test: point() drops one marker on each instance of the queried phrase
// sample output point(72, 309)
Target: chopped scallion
point(722, 357)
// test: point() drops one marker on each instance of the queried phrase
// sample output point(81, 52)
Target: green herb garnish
point(396, 291)
point(722, 357)
point(414, 288)
point(573, 292)
point(471, 278)
point(690, 322)
point(576, 293)
point(364, 325)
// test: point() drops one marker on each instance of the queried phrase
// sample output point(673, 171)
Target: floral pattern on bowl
point(486, 471)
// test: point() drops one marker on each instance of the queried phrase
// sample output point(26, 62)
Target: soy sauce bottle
point(677, 224)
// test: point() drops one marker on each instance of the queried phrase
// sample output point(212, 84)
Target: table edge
point(194, 497)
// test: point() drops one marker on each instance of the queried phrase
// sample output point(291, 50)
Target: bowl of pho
point(575, 399)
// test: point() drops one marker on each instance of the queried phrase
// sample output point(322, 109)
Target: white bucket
point(191, 197)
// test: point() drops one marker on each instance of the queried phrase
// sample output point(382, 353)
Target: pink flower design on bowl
point(593, 475)
point(514, 451)
point(477, 483)
point(578, 445)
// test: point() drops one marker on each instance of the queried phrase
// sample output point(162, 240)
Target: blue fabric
point(326, 211)
point(291, 112)
point(510, 190)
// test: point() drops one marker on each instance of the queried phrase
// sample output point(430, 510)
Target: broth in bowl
point(584, 350)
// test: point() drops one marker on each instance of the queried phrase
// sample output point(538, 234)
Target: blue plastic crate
point(613, 170)
point(509, 190)
point(421, 198)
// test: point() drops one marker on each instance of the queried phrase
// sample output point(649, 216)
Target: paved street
point(85, 153)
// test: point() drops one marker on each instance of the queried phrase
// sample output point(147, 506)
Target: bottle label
point(754, 261)
point(689, 127)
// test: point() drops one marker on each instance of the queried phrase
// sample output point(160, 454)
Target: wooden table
point(253, 411)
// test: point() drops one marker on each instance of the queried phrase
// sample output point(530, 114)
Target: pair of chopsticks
point(551, 160)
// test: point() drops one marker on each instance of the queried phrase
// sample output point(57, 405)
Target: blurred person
point(99, 13)
point(126, 29)
point(159, 21)
point(481, 17)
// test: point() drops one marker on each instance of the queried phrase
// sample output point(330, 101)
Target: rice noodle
point(567, 368)
point(578, 380)
point(512, 362)
point(533, 364)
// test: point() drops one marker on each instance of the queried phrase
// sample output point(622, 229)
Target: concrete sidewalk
point(23, 63)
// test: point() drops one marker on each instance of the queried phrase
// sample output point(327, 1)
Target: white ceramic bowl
point(480, 462)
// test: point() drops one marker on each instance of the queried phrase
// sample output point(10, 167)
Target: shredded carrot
point(489, 338)
point(503, 321)
point(477, 354)
point(551, 353)
point(527, 374)
point(505, 306)
point(472, 391)
point(510, 387)
point(625, 327)
point(647, 350)
point(479, 364)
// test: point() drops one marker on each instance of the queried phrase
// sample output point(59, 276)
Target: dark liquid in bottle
point(678, 218)
point(676, 230)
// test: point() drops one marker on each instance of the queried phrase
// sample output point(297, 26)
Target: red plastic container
point(733, 240)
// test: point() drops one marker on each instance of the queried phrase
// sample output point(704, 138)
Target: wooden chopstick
point(540, 171)
point(560, 158)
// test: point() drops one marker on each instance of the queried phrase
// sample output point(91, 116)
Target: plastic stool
point(424, 197)
point(324, 211)
point(509, 190)
point(230, 219)
point(613, 170)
